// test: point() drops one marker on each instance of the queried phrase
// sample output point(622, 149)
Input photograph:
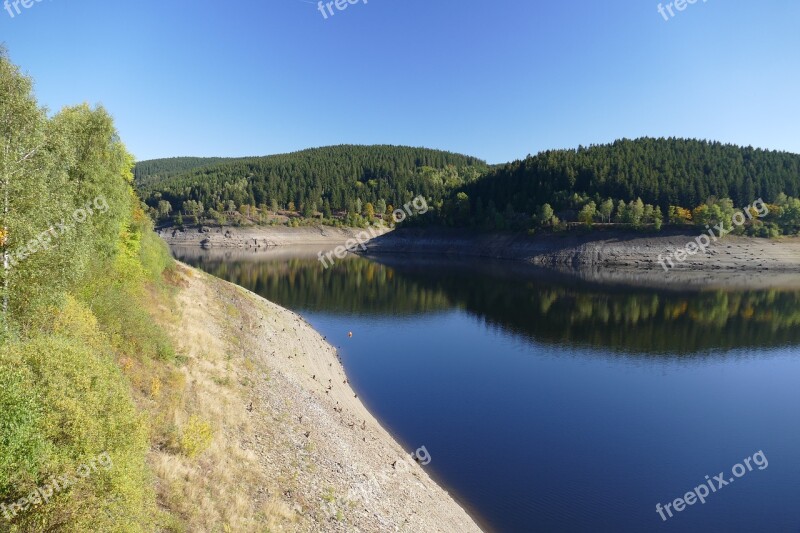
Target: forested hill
point(331, 178)
point(158, 170)
point(662, 172)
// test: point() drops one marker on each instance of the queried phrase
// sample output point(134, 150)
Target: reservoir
point(554, 405)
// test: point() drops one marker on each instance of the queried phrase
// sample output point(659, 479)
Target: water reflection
point(545, 308)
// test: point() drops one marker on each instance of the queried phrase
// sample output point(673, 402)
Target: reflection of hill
point(540, 308)
point(553, 309)
point(353, 285)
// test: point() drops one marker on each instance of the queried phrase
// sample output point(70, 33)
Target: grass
point(129, 364)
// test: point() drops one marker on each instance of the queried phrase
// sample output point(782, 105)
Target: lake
point(553, 405)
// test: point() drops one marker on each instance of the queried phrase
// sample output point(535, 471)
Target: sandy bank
point(312, 457)
point(257, 237)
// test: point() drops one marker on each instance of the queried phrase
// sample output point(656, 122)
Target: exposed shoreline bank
point(320, 458)
point(598, 248)
point(616, 257)
point(260, 237)
point(602, 256)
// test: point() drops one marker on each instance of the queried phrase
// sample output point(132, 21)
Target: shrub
point(196, 437)
point(80, 408)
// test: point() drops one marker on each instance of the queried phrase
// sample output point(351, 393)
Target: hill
point(637, 182)
point(158, 170)
point(335, 178)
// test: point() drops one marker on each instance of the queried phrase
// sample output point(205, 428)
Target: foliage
point(196, 438)
point(344, 178)
point(658, 172)
point(75, 306)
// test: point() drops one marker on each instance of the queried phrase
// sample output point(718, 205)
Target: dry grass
point(221, 488)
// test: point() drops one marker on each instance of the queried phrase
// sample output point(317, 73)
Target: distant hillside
point(335, 178)
point(639, 183)
point(158, 170)
point(661, 172)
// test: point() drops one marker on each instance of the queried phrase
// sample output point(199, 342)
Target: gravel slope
point(335, 467)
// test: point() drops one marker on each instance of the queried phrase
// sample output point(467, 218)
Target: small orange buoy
point(350, 334)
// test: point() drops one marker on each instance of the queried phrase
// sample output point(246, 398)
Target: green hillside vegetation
point(338, 184)
point(644, 184)
point(77, 345)
point(158, 170)
point(641, 184)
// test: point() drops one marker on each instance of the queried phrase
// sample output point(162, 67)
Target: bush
point(196, 437)
point(80, 407)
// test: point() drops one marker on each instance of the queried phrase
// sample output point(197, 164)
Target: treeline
point(634, 183)
point(157, 170)
point(78, 252)
point(320, 182)
point(588, 184)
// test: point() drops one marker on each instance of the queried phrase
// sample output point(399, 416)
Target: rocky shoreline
point(616, 257)
point(258, 237)
point(598, 249)
point(600, 256)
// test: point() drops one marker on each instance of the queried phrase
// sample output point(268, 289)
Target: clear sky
point(496, 79)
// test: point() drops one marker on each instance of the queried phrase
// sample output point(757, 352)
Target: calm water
point(552, 406)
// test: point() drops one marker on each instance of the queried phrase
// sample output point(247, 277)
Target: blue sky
point(497, 79)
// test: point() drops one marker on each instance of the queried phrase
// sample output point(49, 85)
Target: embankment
point(293, 440)
point(616, 256)
point(258, 237)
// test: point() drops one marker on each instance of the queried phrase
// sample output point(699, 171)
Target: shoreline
point(336, 467)
point(260, 237)
point(607, 257)
point(614, 257)
point(599, 248)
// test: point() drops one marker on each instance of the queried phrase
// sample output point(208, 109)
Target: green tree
point(647, 216)
point(380, 206)
point(545, 215)
point(621, 215)
point(658, 219)
point(164, 209)
point(587, 214)
point(636, 212)
point(605, 210)
point(462, 207)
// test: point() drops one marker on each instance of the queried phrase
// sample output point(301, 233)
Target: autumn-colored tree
point(369, 212)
